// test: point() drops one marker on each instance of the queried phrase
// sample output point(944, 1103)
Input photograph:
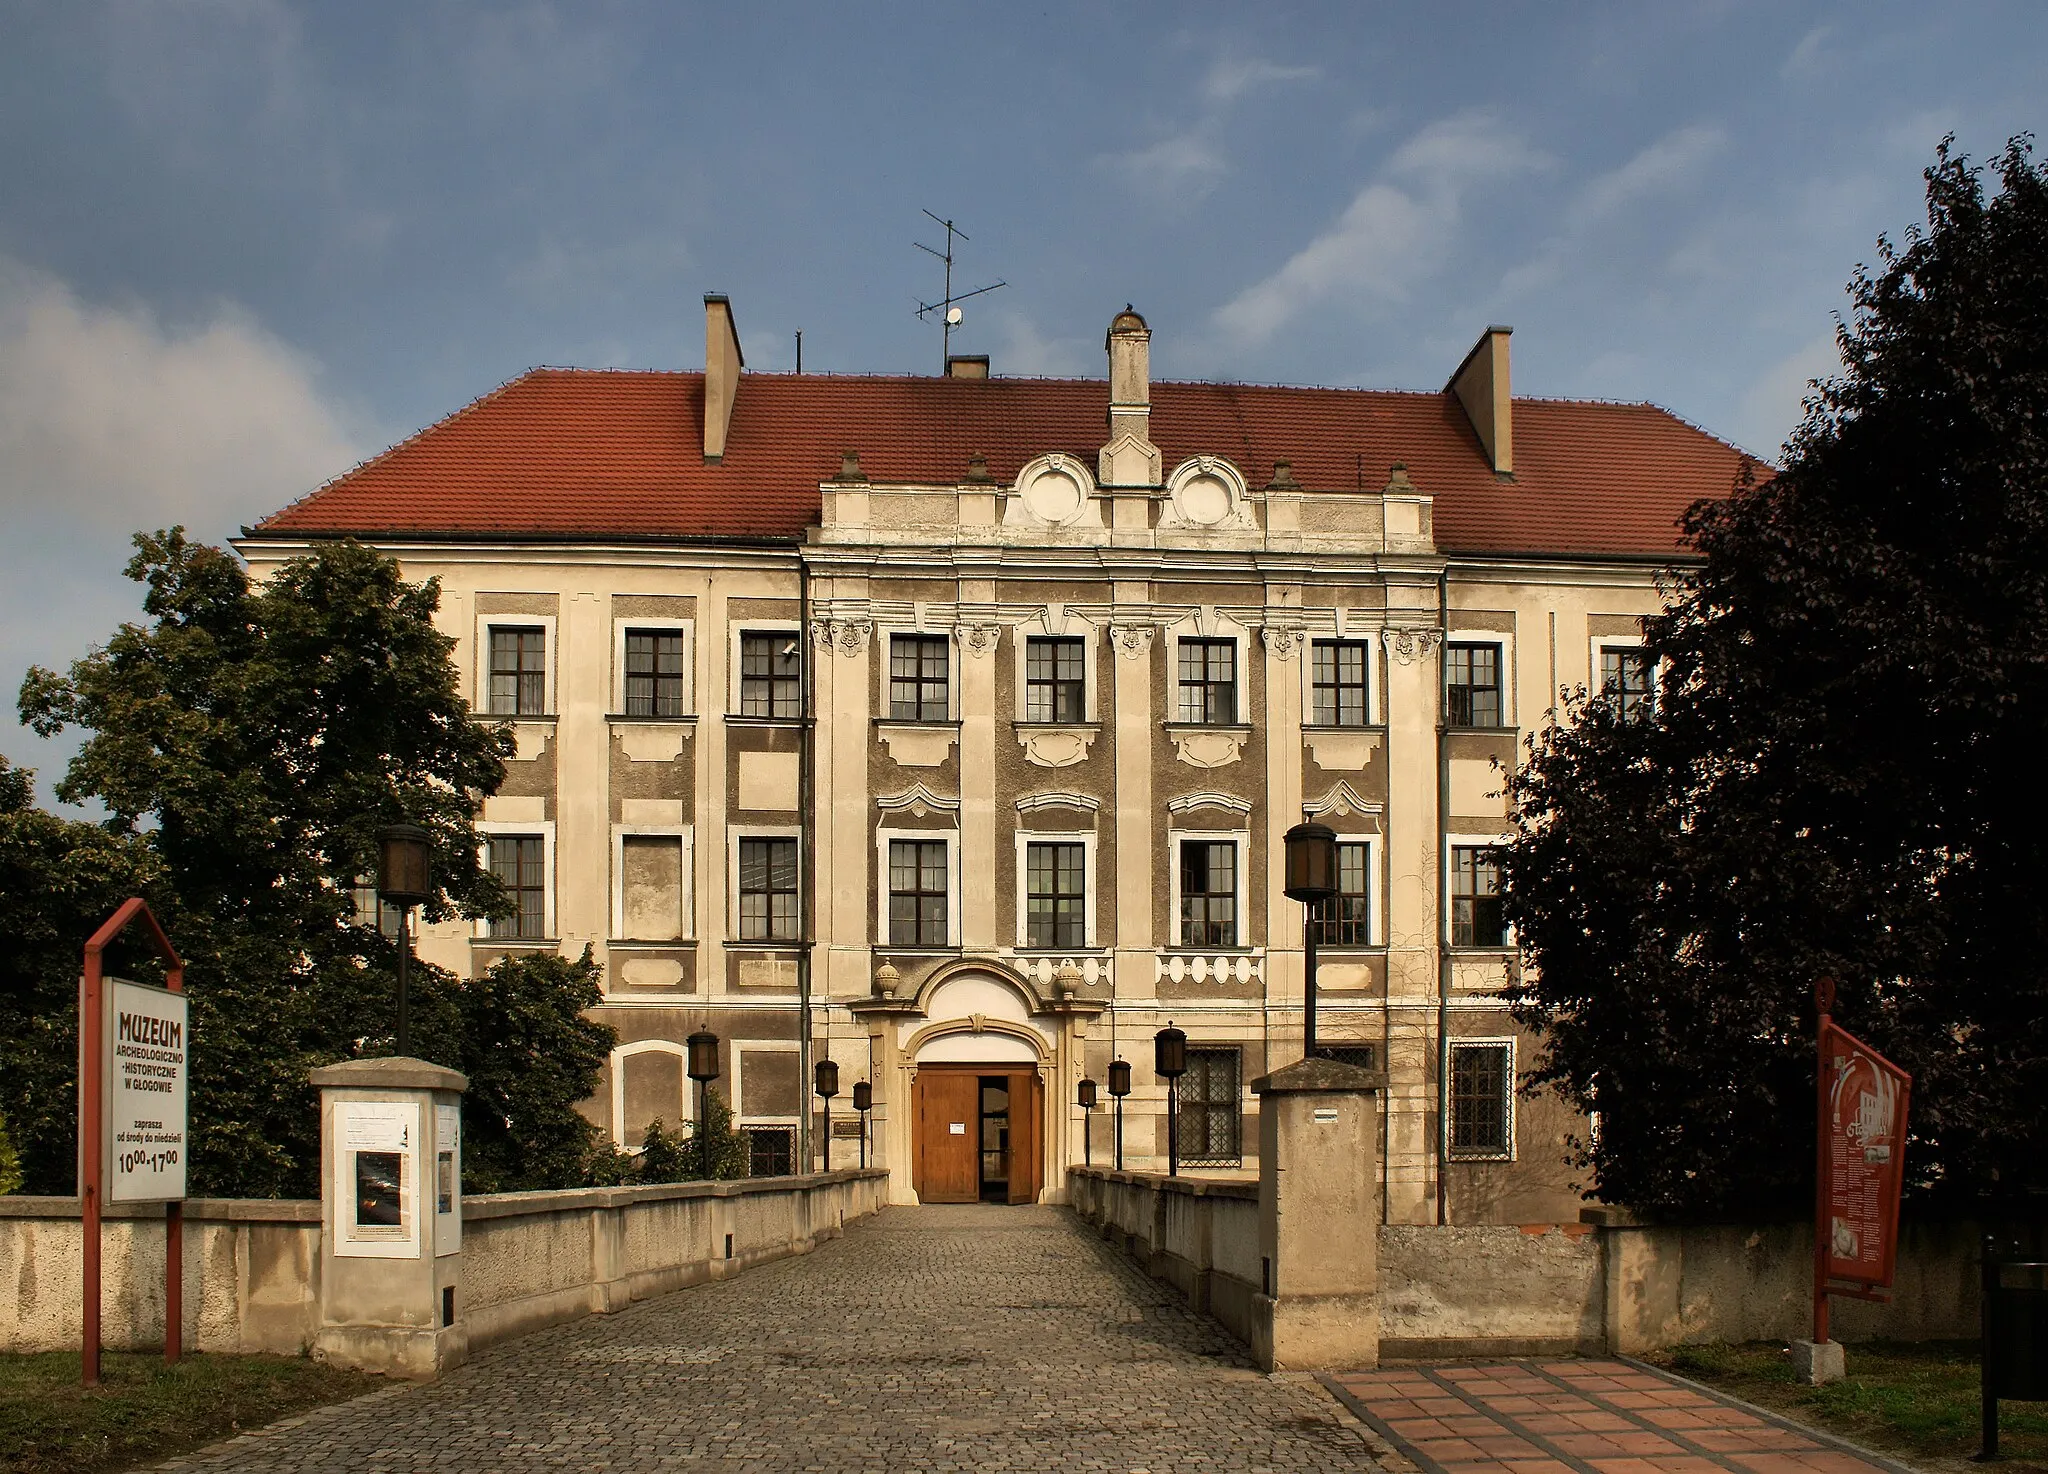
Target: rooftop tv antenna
point(947, 306)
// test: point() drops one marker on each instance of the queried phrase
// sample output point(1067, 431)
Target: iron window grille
point(1055, 682)
point(917, 892)
point(1208, 1109)
point(1340, 673)
point(917, 678)
point(1208, 893)
point(1363, 1056)
point(1472, 685)
point(1476, 919)
point(1628, 678)
point(1482, 1102)
point(1345, 919)
point(654, 673)
point(771, 675)
point(519, 672)
point(520, 863)
point(1055, 895)
point(771, 1151)
point(768, 890)
point(1208, 681)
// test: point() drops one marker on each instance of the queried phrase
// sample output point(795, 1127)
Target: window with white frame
point(1055, 894)
point(517, 673)
point(654, 672)
point(771, 1150)
point(1345, 919)
point(651, 897)
point(1472, 684)
point(920, 671)
point(1340, 683)
point(1627, 676)
point(1482, 1093)
point(769, 902)
point(1207, 680)
point(1055, 678)
point(1207, 874)
point(372, 911)
point(520, 863)
point(920, 892)
point(1476, 919)
point(771, 674)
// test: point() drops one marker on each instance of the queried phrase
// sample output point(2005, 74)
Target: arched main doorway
point(977, 1098)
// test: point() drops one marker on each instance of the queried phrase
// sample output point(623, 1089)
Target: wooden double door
point(976, 1133)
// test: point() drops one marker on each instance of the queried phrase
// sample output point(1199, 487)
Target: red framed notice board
point(1863, 1148)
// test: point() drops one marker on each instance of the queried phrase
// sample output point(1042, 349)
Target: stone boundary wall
point(1604, 1285)
point(252, 1267)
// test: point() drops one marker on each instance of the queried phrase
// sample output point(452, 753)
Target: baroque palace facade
point(948, 728)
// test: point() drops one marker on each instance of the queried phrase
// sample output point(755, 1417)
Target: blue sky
point(244, 243)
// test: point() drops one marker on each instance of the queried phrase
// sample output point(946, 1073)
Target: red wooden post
point(1824, 1001)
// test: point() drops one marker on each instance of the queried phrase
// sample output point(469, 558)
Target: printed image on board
point(377, 1195)
point(148, 1038)
point(1867, 1098)
point(447, 1179)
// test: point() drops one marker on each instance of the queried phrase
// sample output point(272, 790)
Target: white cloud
point(1668, 162)
point(1772, 406)
point(1233, 76)
point(1185, 165)
point(1025, 350)
point(110, 419)
point(1805, 57)
point(1393, 233)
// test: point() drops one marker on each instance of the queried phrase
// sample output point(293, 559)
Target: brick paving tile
point(931, 1339)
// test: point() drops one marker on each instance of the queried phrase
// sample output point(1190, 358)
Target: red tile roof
point(585, 453)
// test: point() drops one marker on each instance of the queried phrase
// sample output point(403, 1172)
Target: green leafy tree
point(1835, 779)
point(59, 880)
point(678, 1156)
point(10, 1162)
point(252, 739)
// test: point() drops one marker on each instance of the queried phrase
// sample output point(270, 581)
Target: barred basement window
point(520, 863)
point(1345, 919)
point(771, 1151)
point(1361, 1056)
point(654, 673)
point(917, 678)
point(1054, 679)
point(1208, 1108)
point(1482, 1099)
point(1472, 685)
point(917, 892)
point(1208, 681)
point(1055, 895)
point(1339, 675)
point(771, 671)
point(519, 672)
point(768, 890)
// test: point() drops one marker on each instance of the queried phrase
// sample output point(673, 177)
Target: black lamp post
point(1311, 880)
point(703, 1047)
point(1170, 1062)
point(1119, 1087)
point(1088, 1123)
point(403, 852)
point(828, 1086)
point(863, 1101)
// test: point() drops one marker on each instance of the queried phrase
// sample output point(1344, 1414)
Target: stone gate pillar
point(1318, 1217)
point(391, 1216)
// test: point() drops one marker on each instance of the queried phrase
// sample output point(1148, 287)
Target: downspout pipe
point(1443, 872)
point(807, 836)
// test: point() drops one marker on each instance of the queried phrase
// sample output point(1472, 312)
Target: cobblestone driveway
point(926, 1338)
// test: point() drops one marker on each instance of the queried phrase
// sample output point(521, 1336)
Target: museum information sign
point(1863, 1151)
point(147, 1045)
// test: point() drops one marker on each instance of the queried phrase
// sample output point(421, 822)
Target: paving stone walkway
point(1583, 1417)
point(925, 1339)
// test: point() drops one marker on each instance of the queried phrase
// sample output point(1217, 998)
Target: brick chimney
point(1481, 384)
point(722, 364)
point(1130, 458)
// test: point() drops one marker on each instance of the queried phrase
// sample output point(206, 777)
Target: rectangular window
point(1360, 1056)
point(917, 678)
point(1055, 895)
point(519, 672)
point(1208, 681)
point(1345, 920)
point(768, 891)
point(1475, 897)
point(372, 910)
point(917, 892)
point(1054, 681)
point(1339, 678)
point(771, 1151)
point(652, 904)
point(771, 675)
point(1208, 893)
point(1472, 685)
point(1482, 1110)
point(654, 673)
point(1628, 678)
point(520, 863)
point(1208, 1108)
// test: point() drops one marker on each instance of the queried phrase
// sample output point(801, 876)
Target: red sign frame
point(1863, 1100)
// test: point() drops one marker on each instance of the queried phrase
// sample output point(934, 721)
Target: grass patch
point(143, 1410)
point(1916, 1400)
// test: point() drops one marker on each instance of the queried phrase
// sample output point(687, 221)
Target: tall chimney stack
point(1130, 458)
point(722, 364)
point(1481, 384)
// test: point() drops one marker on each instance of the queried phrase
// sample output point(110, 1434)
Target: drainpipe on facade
point(806, 847)
point(1443, 886)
